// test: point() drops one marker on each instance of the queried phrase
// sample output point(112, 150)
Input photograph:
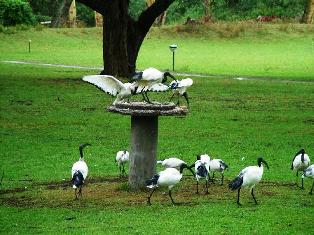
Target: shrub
point(13, 12)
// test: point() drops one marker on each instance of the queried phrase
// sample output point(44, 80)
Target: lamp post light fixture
point(172, 48)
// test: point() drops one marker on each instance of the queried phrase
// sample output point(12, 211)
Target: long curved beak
point(266, 164)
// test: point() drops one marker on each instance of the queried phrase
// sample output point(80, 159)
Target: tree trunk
point(62, 13)
point(308, 14)
point(123, 36)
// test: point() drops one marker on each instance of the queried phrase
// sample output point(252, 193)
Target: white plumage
point(309, 172)
point(218, 165)
point(122, 157)
point(179, 89)
point(145, 80)
point(248, 178)
point(174, 162)
point(121, 91)
point(79, 172)
point(201, 170)
point(168, 178)
point(300, 162)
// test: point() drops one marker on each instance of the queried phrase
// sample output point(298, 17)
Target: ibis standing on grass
point(202, 170)
point(122, 157)
point(168, 177)
point(79, 172)
point(179, 89)
point(309, 172)
point(174, 162)
point(146, 79)
point(299, 163)
point(218, 165)
point(248, 178)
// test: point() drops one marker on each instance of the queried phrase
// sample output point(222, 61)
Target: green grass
point(47, 112)
point(234, 49)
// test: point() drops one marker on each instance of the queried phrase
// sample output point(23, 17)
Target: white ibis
point(122, 91)
point(248, 178)
point(122, 157)
point(179, 89)
point(309, 172)
point(202, 170)
point(168, 178)
point(218, 165)
point(147, 78)
point(79, 172)
point(174, 162)
point(300, 162)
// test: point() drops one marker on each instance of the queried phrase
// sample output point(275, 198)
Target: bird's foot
point(239, 204)
point(206, 192)
point(310, 193)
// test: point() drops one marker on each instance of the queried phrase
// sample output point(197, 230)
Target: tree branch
point(96, 5)
point(147, 17)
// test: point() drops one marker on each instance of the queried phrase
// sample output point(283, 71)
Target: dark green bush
point(13, 12)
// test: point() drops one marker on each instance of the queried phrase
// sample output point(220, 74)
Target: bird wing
point(152, 74)
point(181, 83)
point(158, 87)
point(106, 83)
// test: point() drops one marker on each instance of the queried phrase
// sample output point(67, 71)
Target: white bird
point(300, 162)
point(309, 172)
point(202, 170)
point(115, 87)
point(179, 88)
point(168, 178)
point(122, 157)
point(218, 165)
point(174, 162)
point(146, 79)
point(79, 172)
point(249, 177)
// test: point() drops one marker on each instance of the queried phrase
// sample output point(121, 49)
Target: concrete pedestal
point(144, 136)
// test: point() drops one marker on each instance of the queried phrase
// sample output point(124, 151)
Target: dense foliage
point(13, 12)
point(177, 12)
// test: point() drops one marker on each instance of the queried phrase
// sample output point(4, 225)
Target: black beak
point(265, 164)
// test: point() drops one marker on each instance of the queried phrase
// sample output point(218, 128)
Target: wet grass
point(47, 112)
point(227, 49)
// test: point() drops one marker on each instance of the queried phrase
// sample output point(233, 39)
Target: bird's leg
point(172, 97)
point(302, 182)
point(238, 201)
point(311, 192)
point(75, 195)
point(213, 177)
point(150, 195)
point(178, 103)
point(222, 178)
point(207, 186)
point(186, 98)
point(80, 191)
point(120, 170)
point(197, 187)
point(253, 196)
point(147, 97)
point(171, 197)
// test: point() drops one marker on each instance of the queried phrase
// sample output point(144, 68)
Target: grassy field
point(47, 112)
point(239, 49)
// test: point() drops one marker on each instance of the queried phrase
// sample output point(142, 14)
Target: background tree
point(308, 12)
point(123, 35)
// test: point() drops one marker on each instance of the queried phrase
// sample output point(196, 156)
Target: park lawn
point(47, 112)
point(228, 50)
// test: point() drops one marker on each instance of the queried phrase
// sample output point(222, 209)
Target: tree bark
point(122, 35)
point(62, 13)
point(308, 14)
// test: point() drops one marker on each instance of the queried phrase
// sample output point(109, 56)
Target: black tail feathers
point(236, 183)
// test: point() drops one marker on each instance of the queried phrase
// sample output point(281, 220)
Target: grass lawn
point(47, 112)
point(238, 49)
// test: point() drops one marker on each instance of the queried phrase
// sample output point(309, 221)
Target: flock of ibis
point(204, 167)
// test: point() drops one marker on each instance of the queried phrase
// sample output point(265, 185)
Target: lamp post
point(172, 48)
point(29, 46)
